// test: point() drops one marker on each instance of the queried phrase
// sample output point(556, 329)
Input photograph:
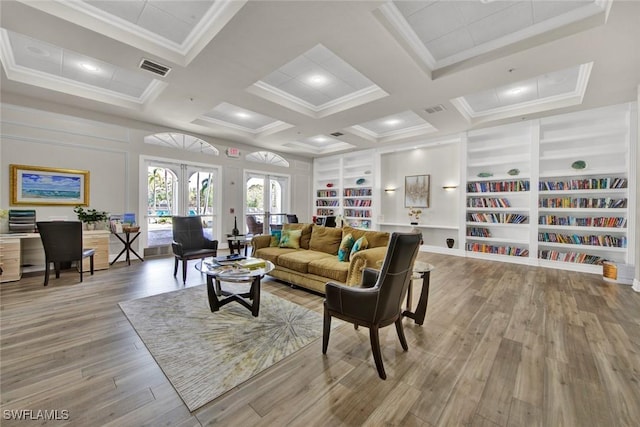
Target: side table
point(421, 270)
point(127, 242)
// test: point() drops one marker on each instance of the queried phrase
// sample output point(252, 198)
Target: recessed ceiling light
point(242, 115)
point(516, 91)
point(318, 80)
point(89, 67)
point(392, 122)
point(320, 139)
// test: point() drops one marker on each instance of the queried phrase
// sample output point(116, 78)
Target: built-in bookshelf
point(557, 192)
point(498, 193)
point(344, 188)
point(583, 190)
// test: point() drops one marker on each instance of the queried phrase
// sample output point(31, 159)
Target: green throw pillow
point(275, 238)
point(290, 239)
point(360, 244)
point(345, 248)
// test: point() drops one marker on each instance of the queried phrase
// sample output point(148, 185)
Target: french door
point(172, 188)
point(267, 199)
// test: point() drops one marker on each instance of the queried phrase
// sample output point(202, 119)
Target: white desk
point(17, 249)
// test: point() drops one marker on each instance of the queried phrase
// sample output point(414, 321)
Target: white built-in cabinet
point(555, 192)
point(527, 197)
point(344, 187)
point(584, 216)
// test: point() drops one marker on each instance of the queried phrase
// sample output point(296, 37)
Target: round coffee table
point(229, 273)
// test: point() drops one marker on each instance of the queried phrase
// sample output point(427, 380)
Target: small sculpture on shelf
point(235, 230)
point(414, 215)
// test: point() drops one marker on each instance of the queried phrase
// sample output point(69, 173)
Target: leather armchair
point(189, 242)
point(377, 303)
point(62, 242)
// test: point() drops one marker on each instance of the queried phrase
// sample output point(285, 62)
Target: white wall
point(442, 163)
point(111, 153)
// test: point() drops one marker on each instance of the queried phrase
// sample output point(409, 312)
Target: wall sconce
point(449, 187)
point(389, 190)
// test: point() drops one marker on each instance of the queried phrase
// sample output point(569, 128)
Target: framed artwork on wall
point(416, 191)
point(37, 185)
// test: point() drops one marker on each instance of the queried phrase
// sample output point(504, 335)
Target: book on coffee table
point(251, 263)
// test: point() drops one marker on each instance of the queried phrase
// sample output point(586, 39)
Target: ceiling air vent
point(435, 109)
point(154, 67)
point(337, 134)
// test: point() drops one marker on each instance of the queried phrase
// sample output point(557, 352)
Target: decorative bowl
point(579, 164)
point(513, 172)
point(360, 181)
point(329, 184)
point(484, 174)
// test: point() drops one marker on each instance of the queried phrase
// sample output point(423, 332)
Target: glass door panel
point(266, 205)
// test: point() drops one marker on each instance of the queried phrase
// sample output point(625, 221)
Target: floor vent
point(435, 109)
point(154, 67)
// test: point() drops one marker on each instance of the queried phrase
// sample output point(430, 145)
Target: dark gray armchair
point(378, 302)
point(189, 242)
point(62, 242)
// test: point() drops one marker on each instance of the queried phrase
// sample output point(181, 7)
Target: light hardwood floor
point(502, 345)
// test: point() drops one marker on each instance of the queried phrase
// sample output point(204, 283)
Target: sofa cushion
point(375, 238)
point(299, 260)
point(330, 267)
point(272, 254)
point(325, 239)
point(290, 239)
point(306, 232)
point(359, 245)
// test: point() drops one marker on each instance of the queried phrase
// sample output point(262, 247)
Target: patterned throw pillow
point(290, 239)
point(275, 238)
point(345, 248)
point(360, 244)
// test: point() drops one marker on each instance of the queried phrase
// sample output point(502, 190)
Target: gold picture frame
point(44, 186)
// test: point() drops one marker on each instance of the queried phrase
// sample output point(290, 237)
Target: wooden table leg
point(255, 296)
point(214, 304)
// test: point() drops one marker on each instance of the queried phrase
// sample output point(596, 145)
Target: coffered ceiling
point(319, 77)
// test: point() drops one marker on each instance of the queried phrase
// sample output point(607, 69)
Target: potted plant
point(90, 216)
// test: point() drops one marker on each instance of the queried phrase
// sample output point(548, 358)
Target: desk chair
point(62, 241)
point(189, 242)
point(378, 302)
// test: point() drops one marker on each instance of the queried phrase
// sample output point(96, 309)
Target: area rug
point(205, 354)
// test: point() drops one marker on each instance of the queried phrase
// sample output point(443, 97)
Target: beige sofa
point(316, 262)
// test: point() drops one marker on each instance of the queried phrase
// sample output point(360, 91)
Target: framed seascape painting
point(416, 191)
point(35, 185)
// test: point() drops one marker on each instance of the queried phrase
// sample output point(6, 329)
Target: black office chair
point(378, 302)
point(292, 218)
point(189, 242)
point(62, 241)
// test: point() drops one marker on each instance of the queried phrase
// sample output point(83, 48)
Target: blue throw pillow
point(275, 238)
point(345, 248)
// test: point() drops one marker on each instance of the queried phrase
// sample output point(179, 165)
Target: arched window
point(268, 158)
point(182, 141)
